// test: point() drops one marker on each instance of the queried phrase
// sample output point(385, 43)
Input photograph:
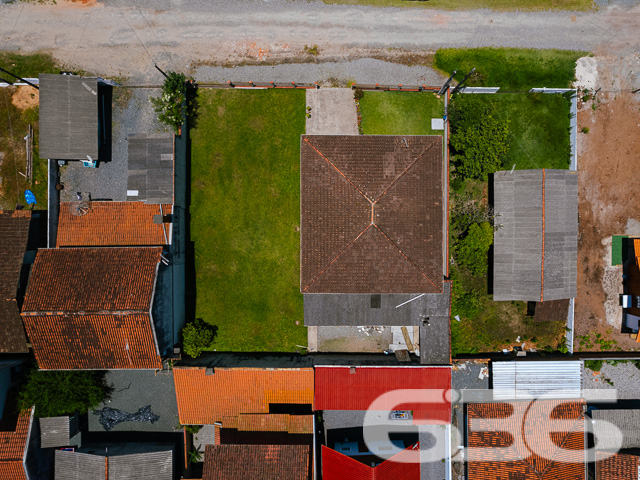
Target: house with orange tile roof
point(618, 466)
point(93, 308)
point(537, 440)
point(114, 224)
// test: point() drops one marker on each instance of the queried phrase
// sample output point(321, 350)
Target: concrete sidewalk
point(333, 112)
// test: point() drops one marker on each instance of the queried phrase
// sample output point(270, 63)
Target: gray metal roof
point(526, 379)
point(338, 309)
point(68, 117)
point(536, 246)
point(79, 466)
point(54, 432)
point(628, 423)
point(150, 168)
point(142, 466)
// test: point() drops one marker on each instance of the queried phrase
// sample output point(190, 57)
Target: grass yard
point(245, 217)
point(505, 5)
point(18, 110)
point(400, 113)
point(511, 69)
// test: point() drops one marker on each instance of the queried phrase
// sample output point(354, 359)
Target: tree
point(177, 92)
point(472, 250)
point(58, 393)
point(196, 336)
point(479, 137)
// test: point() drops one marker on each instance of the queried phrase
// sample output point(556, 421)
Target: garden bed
point(245, 217)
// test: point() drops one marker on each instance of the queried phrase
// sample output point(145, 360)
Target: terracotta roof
point(256, 462)
point(90, 308)
point(336, 466)
point(206, 398)
point(302, 424)
point(14, 234)
point(617, 467)
point(372, 214)
point(113, 224)
point(355, 388)
point(83, 280)
point(93, 341)
point(495, 455)
point(13, 444)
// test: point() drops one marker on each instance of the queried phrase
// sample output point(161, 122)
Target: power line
point(136, 34)
point(156, 35)
point(82, 35)
point(13, 29)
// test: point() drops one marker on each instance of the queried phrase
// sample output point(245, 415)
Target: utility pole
point(446, 84)
point(160, 70)
point(20, 78)
point(459, 86)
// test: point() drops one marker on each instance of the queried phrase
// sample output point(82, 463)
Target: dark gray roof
point(54, 432)
point(338, 309)
point(78, 466)
point(151, 167)
point(68, 117)
point(535, 260)
point(124, 461)
point(628, 421)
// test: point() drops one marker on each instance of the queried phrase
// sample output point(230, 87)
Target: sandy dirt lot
point(609, 194)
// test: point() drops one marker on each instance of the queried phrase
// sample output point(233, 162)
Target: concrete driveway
point(333, 112)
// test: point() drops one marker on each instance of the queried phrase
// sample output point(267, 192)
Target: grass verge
point(505, 5)
point(512, 69)
point(400, 113)
point(18, 110)
point(245, 217)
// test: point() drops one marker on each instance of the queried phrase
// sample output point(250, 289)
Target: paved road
point(125, 37)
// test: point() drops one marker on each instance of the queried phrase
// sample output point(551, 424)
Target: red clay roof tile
point(12, 446)
point(372, 214)
point(14, 234)
point(204, 399)
point(336, 466)
point(256, 462)
point(617, 467)
point(494, 454)
point(93, 341)
point(113, 224)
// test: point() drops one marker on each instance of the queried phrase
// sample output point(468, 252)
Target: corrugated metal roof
point(515, 380)
point(54, 432)
point(605, 423)
point(142, 466)
point(355, 388)
point(79, 466)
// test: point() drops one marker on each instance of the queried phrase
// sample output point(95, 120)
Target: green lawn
point(400, 113)
point(511, 69)
point(14, 123)
point(245, 217)
point(507, 5)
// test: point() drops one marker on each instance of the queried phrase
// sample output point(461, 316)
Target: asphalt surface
point(125, 38)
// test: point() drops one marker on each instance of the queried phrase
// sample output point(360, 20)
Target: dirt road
point(124, 38)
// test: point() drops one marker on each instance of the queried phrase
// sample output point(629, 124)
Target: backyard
point(245, 217)
point(18, 110)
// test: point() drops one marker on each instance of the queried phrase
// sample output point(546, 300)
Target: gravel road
point(118, 37)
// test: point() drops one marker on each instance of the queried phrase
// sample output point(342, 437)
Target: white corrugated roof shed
point(527, 379)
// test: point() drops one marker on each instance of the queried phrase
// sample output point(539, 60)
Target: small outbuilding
point(536, 243)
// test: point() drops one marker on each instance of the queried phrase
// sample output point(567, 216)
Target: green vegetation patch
point(15, 118)
point(512, 69)
point(400, 113)
point(245, 217)
point(506, 5)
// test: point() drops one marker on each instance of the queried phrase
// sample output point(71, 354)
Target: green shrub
point(472, 250)
point(177, 92)
point(479, 138)
point(58, 393)
point(595, 365)
point(358, 94)
point(197, 336)
point(585, 129)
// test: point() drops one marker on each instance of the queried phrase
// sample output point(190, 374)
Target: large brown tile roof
point(617, 467)
point(14, 234)
point(494, 454)
point(13, 442)
point(371, 214)
point(206, 397)
point(93, 341)
point(84, 280)
point(256, 462)
point(113, 224)
point(90, 308)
